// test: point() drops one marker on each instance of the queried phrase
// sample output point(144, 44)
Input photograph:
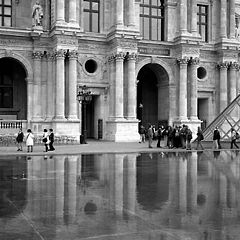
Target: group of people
point(175, 137)
point(181, 136)
point(47, 139)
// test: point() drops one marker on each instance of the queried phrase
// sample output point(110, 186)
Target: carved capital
point(132, 56)
point(111, 59)
point(234, 66)
point(194, 61)
point(223, 65)
point(73, 54)
point(183, 61)
point(37, 55)
point(50, 56)
point(60, 53)
point(120, 56)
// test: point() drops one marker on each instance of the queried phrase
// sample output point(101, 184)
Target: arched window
point(152, 19)
point(6, 13)
point(91, 9)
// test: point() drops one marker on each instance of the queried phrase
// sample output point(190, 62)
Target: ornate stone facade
point(175, 81)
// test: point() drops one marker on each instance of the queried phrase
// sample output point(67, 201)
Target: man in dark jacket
point(51, 139)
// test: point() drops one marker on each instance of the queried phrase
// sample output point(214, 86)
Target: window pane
point(86, 21)
point(155, 2)
point(95, 6)
point(7, 2)
point(86, 5)
point(7, 11)
point(7, 80)
point(146, 28)
point(154, 11)
point(154, 29)
point(7, 98)
point(95, 22)
point(1, 2)
point(146, 10)
point(0, 11)
point(7, 21)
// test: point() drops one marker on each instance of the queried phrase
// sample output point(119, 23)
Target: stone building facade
point(157, 61)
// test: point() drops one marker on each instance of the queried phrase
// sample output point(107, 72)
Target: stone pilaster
point(50, 92)
point(194, 17)
point(73, 11)
point(223, 85)
point(119, 57)
point(60, 4)
point(119, 12)
point(223, 19)
point(233, 67)
point(72, 101)
point(182, 103)
point(193, 88)
point(232, 19)
point(183, 16)
point(30, 98)
point(131, 87)
point(37, 100)
point(111, 62)
point(131, 13)
point(60, 85)
point(44, 95)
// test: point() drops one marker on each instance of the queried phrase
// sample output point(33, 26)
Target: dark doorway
point(152, 95)
point(13, 90)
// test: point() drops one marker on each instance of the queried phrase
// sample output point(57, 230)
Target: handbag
point(44, 140)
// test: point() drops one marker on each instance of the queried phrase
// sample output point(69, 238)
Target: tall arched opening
point(13, 90)
point(153, 95)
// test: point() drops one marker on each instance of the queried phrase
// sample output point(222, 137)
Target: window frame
point(3, 16)
point(150, 7)
point(90, 12)
point(200, 23)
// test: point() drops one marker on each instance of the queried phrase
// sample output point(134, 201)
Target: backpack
point(237, 135)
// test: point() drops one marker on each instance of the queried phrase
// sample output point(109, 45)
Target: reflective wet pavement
point(162, 196)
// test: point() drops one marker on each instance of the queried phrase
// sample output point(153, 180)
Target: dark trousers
point(233, 142)
point(51, 148)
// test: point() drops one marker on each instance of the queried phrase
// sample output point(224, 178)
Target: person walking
point(199, 138)
point(45, 139)
point(29, 140)
point(19, 139)
point(188, 133)
point(159, 136)
point(216, 139)
point(51, 140)
point(233, 138)
point(142, 134)
point(150, 135)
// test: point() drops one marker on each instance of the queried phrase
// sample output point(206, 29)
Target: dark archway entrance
point(13, 90)
point(153, 95)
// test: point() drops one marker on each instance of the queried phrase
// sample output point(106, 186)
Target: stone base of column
point(122, 130)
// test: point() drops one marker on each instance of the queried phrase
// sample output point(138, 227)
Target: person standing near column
point(150, 135)
point(19, 139)
point(51, 139)
point(29, 140)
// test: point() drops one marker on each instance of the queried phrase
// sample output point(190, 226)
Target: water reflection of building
point(112, 193)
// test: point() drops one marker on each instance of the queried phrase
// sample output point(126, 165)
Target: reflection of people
point(37, 14)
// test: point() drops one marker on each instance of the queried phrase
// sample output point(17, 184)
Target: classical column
point(119, 57)
point(111, 61)
point(72, 101)
point(223, 85)
point(223, 19)
point(233, 80)
point(193, 88)
point(44, 95)
point(119, 12)
point(194, 17)
point(73, 11)
point(183, 16)
point(60, 10)
point(232, 19)
point(50, 95)
point(60, 85)
point(30, 95)
point(131, 87)
point(37, 101)
point(131, 12)
point(183, 62)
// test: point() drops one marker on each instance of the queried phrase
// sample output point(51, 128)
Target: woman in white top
point(45, 139)
point(29, 140)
